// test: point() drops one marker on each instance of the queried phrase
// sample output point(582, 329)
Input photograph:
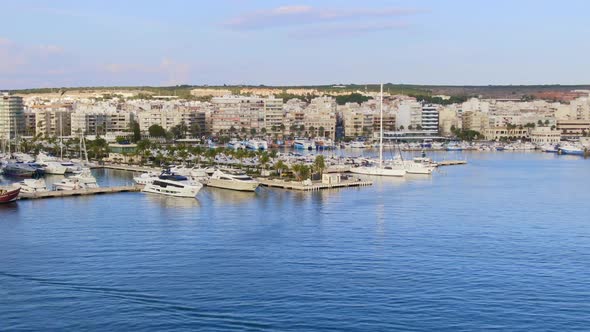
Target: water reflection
point(228, 196)
point(172, 202)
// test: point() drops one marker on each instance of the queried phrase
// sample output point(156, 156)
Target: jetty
point(451, 162)
point(80, 192)
point(313, 186)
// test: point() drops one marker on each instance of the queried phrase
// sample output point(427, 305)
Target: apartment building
point(430, 118)
point(409, 115)
point(12, 116)
point(473, 120)
point(545, 135)
point(237, 113)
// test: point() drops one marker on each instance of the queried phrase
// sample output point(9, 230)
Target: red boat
point(8, 195)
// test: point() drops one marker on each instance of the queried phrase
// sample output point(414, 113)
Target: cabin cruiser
point(550, 148)
point(53, 167)
point(22, 170)
point(240, 182)
point(71, 167)
point(173, 188)
point(30, 186)
point(417, 166)
point(358, 145)
point(84, 180)
point(236, 145)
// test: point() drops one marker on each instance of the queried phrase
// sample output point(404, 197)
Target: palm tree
point(319, 164)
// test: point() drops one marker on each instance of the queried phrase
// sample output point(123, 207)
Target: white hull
point(173, 188)
point(55, 168)
point(233, 185)
point(377, 171)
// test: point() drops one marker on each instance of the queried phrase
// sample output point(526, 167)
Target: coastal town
point(239, 141)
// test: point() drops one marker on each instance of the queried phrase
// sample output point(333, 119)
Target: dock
point(80, 192)
point(298, 185)
point(451, 162)
point(130, 168)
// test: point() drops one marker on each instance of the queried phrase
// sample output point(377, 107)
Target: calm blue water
point(500, 244)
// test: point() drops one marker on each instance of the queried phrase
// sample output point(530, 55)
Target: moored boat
point(8, 195)
point(239, 182)
point(173, 188)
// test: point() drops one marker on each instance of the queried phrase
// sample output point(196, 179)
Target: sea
point(499, 244)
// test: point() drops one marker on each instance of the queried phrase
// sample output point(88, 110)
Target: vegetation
point(352, 98)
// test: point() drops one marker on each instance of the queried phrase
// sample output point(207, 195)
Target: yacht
point(454, 147)
point(380, 168)
point(173, 188)
point(21, 170)
point(240, 182)
point(146, 178)
point(571, 150)
point(30, 186)
point(302, 144)
point(53, 167)
point(417, 167)
point(358, 145)
point(84, 180)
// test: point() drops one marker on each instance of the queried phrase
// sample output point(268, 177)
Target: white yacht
point(29, 186)
point(303, 144)
point(380, 168)
point(417, 167)
point(146, 178)
point(173, 188)
point(84, 180)
point(357, 145)
point(240, 182)
point(53, 167)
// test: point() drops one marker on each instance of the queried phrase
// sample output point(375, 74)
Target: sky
point(73, 43)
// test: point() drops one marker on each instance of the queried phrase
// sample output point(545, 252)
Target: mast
point(381, 130)
point(61, 137)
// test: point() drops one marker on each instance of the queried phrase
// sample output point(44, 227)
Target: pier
point(451, 162)
point(294, 185)
point(80, 192)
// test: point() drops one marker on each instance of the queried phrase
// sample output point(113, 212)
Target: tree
point(546, 122)
point(253, 131)
point(195, 130)
point(319, 164)
point(280, 167)
point(273, 128)
point(401, 128)
point(264, 159)
point(134, 126)
point(540, 123)
point(301, 171)
point(157, 131)
point(263, 130)
point(322, 130)
point(410, 127)
point(418, 127)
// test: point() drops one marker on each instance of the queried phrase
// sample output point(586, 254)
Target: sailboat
point(380, 169)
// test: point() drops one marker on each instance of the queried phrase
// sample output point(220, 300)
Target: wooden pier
point(80, 192)
point(298, 185)
point(451, 162)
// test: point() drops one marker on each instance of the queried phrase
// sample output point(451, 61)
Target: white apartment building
point(100, 119)
point(274, 115)
point(430, 118)
point(409, 115)
point(238, 113)
point(12, 116)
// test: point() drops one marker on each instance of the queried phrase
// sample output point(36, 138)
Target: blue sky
point(87, 43)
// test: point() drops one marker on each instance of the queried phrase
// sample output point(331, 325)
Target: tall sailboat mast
point(61, 135)
point(381, 130)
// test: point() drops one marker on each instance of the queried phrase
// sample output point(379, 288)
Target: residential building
point(12, 116)
point(477, 121)
point(430, 118)
point(409, 115)
point(504, 133)
point(573, 129)
point(545, 135)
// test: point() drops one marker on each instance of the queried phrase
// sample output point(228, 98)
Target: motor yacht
point(84, 180)
point(239, 182)
point(173, 188)
point(30, 186)
point(146, 178)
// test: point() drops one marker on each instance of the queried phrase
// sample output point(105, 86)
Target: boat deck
point(294, 185)
point(80, 192)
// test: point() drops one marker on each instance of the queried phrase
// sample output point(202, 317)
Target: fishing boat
point(380, 168)
point(239, 182)
point(8, 195)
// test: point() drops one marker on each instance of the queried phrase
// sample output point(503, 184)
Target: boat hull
point(9, 196)
point(233, 185)
point(378, 171)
